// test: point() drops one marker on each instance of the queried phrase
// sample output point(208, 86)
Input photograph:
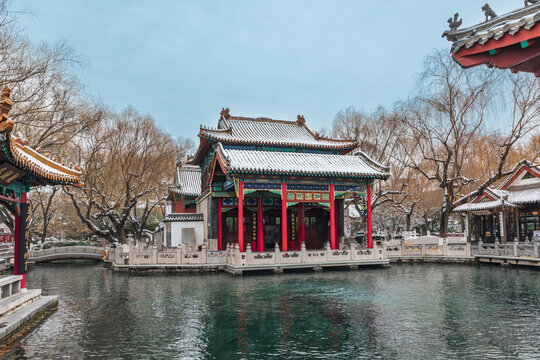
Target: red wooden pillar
point(219, 225)
point(332, 219)
point(241, 215)
point(369, 225)
point(301, 225)
point(260, 224)
point(336, 219)
point(283, 216)
point(17, 242)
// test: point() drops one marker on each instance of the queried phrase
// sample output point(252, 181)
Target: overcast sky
point(182, 61)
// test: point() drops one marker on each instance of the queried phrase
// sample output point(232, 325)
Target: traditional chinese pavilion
point(510, 41)
point(264, 181)
point(510, 211)
point(21, 168)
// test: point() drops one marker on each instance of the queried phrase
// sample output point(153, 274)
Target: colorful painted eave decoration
point(15, 150)
point(510, 41)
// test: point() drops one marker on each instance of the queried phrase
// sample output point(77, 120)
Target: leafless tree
point(127, 164)
point(443, 120)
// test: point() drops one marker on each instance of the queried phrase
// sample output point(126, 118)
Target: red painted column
point(369, 225)
point(16, 241)
point(283, 216)
point(241, 215)
point(260, 224)
point(332, 219)
point(301, 225)
point(219, 225)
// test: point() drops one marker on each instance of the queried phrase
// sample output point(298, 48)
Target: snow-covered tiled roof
point(294, 163)
point(269, 132)
point(524, 196)
point(14, 150)
point(522, 164)
point(187, 180)
point(486, 205)
point(183, 217)
point(510, 23)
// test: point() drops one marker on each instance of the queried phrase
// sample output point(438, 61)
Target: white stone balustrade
point(139, 255)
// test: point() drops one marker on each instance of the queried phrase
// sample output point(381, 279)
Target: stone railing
point(513, 249)
point(303, 256)
point(431, 249)
point(141, 255)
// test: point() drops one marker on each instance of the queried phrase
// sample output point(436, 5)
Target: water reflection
point(409, 311)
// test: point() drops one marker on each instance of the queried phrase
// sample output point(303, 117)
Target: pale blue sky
point(182, 61)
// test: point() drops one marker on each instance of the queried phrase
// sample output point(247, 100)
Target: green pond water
point(402, 312)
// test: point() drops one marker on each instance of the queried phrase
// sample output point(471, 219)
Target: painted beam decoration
point(9, 174)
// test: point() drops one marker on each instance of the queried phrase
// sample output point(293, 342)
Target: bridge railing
point(66, 250)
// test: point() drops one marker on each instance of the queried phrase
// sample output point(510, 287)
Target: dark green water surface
point(402, 312)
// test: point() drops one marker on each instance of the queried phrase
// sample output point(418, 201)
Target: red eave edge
point(506, 40)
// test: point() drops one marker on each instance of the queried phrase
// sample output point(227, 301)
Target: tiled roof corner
point(187, 180)
point(496, 28)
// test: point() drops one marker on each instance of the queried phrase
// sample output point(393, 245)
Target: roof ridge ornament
point(224, 114)
point(488, 11)
point(532, 2)
point(6, 125)
point(301, 120)
point(454, 23)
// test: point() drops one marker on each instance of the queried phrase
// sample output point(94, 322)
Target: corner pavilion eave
point(510, 41)
point(22, 168)
point(300, 164)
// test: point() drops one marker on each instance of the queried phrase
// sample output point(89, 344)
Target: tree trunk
point(445, 216)
point(409, 222)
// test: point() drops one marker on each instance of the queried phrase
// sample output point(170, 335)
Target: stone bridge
point(66, 253)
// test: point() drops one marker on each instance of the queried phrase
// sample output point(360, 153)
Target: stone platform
point(20, 308)
point(280, 268)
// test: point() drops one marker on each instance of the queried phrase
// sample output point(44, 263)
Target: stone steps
point(14, 302)
point(10, 323)
point(18, 306)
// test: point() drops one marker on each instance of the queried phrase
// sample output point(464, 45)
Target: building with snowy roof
point(260, 181)
point(510, 211)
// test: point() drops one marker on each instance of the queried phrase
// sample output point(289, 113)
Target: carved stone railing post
point(328, 251)
point(303, 252)
point(154, 254)
point(402, 247)
point(204, 254)
point(180, 254)
point(237, 255)
point(480, 248)
point(384, 250)
point(249, 254)
point(535, 250)
point(497, 247)
point(276, 254)
point(352, 250)
point(445, 247)
point(468, 250)
point(423, 249)
point(516, 249)
point(118, 255)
